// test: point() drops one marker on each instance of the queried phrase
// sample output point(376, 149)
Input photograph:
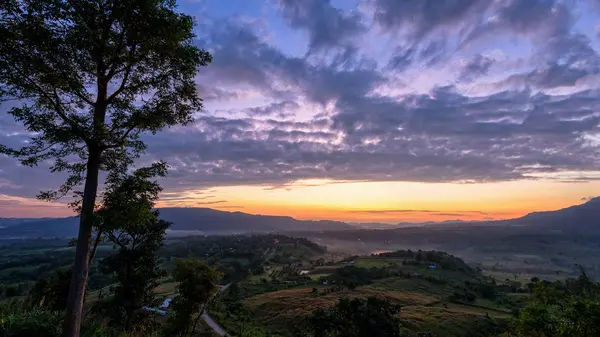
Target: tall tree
point(197, 283)
point(90, 77)
point(130, 223)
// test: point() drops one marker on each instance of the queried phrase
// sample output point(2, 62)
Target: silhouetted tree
point(355, 318)
point(197, 283)
point(51, 292)
point(91, 76)
point(130, 224)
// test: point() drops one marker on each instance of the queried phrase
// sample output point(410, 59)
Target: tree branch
point(57, 106)
point(128, 70)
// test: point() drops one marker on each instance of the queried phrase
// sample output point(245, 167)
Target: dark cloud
point(527, 16)
point(242, 58)
point(475, 68)
point(211, 202)
point(431, 212)
point(418, 18)
point(327, 26)
point(280, 109)
point(403, 57)
point(537, 19)
point(209, 93)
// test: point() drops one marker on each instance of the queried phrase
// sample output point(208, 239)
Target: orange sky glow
point(361, 201)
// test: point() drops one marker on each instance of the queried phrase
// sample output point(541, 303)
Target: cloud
point(423, 94)
point(326, 25)
point(475, 68)
point(282, 109)
point(417, 18)
point(417, 211)
point(210, 202)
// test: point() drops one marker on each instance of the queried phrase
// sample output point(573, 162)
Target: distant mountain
point(583, 218)
point(210, 220)
point(206, 220)
point(42, 227)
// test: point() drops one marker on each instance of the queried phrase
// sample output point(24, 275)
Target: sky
point(376, 110)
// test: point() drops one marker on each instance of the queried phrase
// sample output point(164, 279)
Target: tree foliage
point(560, 309)
point(51, 292)
point(355, 318)
point(129, 222)
point(87, 78)
point(197, 283)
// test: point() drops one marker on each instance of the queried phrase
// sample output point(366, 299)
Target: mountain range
point(583, 218)
point(199, 220)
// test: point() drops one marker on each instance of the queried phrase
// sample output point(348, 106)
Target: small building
point(325, 283)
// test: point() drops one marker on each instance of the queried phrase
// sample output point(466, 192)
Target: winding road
point(211, 322)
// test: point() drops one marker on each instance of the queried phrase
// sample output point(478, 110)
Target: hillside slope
point(206, 220)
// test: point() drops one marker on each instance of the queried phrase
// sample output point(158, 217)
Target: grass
point(165, 289)
point(282, 310)
point(418, 285)
point(453, 321)
point(316, 277)
point(377, 262)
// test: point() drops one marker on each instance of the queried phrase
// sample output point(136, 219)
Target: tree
point(197, 283)
point(129, 222)
point(90, 77)
point(51, 292)
point(570, 308)
point(355, 318)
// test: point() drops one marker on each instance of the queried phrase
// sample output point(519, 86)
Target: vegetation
point(267, 298)
point(355, 318)
point(129, 222)
point(80, 68)
point(561, 308)
point(51, 292)
point(197, 284)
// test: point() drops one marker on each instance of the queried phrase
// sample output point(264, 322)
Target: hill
point(438, 292)
point(210, 220)
point(205, 220)
point(584, 218)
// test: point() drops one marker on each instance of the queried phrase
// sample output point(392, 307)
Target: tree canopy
point(355, 318)
point(561, 308)
point(130, 223)
point(197, 283)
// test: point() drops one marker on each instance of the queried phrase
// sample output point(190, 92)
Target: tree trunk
point(96, 243)
point(81, 266)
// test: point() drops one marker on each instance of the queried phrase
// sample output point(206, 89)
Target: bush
point(33, 323)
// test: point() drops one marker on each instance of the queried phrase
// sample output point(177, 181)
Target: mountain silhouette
point(583, 218)
point(206, 220)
